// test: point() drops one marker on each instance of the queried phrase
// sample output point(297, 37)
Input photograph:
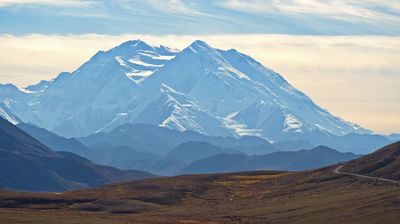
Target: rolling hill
point(384, 163)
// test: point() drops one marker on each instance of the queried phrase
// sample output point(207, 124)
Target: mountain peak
point(133, 44)
point(8, 86)
point(200, 49)
point(199, 45)
point(136, 42)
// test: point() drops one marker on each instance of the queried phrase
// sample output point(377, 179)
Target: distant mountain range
point(168, 152)
point(290, 161)
point(27, 164)
point(55, 142)
point(189, 152)
point(202, 89)
point(161, 140)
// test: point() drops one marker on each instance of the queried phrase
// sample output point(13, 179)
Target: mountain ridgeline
point(200, 88)
point(27, 164)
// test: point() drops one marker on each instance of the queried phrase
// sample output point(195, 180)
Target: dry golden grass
point(254, 197)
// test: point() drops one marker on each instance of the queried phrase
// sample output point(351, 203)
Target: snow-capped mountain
point(203, 89)
point(13, 99)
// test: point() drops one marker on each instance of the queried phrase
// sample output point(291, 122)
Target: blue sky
point(160, 17)
point(344, 54)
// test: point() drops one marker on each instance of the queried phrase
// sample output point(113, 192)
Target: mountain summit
point(201, 88)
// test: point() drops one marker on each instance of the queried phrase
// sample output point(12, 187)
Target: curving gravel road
point(337, 171)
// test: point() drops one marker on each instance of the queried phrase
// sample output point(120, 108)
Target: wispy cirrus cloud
point(300, 17)
point(368, 9)
point(64, 3)
point(174, 6)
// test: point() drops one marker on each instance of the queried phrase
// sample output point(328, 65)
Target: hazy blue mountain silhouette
point(27, 164)
point(285, 160)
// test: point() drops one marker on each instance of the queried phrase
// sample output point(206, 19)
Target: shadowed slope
point(27, 164)
point(384, 163)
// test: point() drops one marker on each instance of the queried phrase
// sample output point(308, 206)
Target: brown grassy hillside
point(384, 163)
point(253, 197)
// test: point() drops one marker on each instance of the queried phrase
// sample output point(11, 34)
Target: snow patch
point(291, 123)
point(239, 128)
point(6, 116)
point(142, 63)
